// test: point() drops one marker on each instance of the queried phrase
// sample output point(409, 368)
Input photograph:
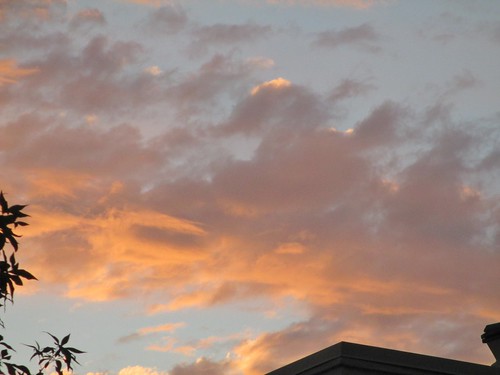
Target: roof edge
point(365, 356)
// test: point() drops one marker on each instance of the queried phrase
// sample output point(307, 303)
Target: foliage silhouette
point(56, 356)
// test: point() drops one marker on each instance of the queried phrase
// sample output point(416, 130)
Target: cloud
point(276, 104)
point(90, 148)
point(200, 91)
point(155, 3)
point(16, 41)
point(11, 73)
point(349, 88)
point(465, 80)
point(336, 205)
point(363, 36)
point(142, 332)
point(87, 17)
point(227, 34)
point(241, 191)
point(272, 350)
point(356, 4)
point(381, 126)
point(95, 80)
point(169, 345)
point(306, 209)
point(275, 349)
point(274, 84)
point(32, 9)
point(139, 370)
point(262, 62)
point(168, 19)
point(201, 366)
point(154, 70)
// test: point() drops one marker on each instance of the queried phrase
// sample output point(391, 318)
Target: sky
point(221, 187)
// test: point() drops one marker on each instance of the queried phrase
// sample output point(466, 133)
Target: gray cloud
point(87, 18)
point(363, 36)
point(349, 88)
point(226, 34)
point(39, 10)
point(166, 20)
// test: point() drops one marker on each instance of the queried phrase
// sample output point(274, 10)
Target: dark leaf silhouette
point(57, 356)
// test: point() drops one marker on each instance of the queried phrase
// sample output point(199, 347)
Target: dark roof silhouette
point(347, 358)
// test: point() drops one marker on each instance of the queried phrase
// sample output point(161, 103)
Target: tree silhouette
point(57, 356)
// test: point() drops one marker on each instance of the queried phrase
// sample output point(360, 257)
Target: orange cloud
point(276, 84)
point(10, 72)
point(139, 370)
point(169, 327)
point(169, 345)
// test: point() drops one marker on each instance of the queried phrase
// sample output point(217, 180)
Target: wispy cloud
point(147, 331)
point(227, 34)
point(363, 36)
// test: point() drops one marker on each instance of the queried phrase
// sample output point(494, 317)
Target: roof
point(347, 358)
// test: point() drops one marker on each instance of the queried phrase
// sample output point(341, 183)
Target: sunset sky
point(220, 187)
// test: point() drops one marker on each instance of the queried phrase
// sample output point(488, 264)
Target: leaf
point(25, 274)
point(11, 369)
point(6, 345)
point(59, 367)
point(47, 349)
point(17, 280)
point(17, 207)
point(12, 259)
point(13, 242)
point(7, 219)
point(67, 357)
point(77, 351)
point(65, 340)
point(24, 369)
point(3, 203)
point(4, 266)
point(56, 340)
point(12, 288)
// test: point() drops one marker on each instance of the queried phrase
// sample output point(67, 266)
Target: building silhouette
point(347, 358)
